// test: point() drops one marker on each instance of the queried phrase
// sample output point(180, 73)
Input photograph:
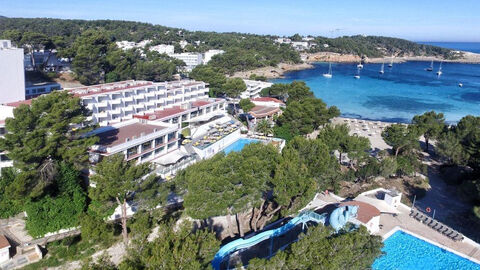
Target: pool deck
point(389, 224)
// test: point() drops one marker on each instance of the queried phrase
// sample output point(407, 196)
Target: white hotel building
point(115, 102)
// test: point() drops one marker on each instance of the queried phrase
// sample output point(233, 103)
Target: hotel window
point(207, 110)
point(146, 145)
point(147, 155)
point(132, 151)
point(184, 117)
point(193, 114)
point(2, 131)
point(171, 145)
point(175, 120)
point(159, 141)
point(159, 150)
point(172, 136)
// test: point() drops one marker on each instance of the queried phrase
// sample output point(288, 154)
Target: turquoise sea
point(401, 92)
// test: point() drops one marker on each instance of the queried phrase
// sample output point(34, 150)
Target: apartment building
point(115, 102)
point(12, 75)
point(254, 88)
point(191, 59)
point(136, 139)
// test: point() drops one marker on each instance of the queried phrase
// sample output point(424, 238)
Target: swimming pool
point(404, 251)
point(239, 144)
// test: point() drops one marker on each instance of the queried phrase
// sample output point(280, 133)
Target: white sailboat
point(357, 76)
point(391, 62)
point(329, 74)
point(439, 72)
point(431, 67)
point(382, 69)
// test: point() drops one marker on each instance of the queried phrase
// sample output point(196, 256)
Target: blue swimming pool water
point(238, 145)
point(404, 251)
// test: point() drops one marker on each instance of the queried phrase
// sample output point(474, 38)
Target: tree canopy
point(42, 135)
point(430, 124)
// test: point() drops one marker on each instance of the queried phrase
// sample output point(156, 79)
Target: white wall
point(4, 255)
point(12, 75)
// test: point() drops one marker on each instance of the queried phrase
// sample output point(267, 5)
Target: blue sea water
point(461, 46)
point(404, 252)
point(238, 145)
point(401, 92)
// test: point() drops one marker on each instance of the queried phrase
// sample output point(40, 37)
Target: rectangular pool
point(239, 144)
point(404, 251)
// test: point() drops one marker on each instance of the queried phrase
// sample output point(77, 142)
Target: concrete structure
point(300, 45)
point(163, 48)
point(282, 40)
point(254, 88)
point(36, 89)
point(266, 108)
point(12, 74)
point(126, 45)
point(191, 59)
point(115, 102)
point(4, 249)
point(207, 56)
point(46, 59)
point(136, 139)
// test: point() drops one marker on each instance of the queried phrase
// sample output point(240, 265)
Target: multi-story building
point(115, 102)
point(191, 59)
point(136, 139)
point(36, 89)
point(12, 74)
point(254, 88)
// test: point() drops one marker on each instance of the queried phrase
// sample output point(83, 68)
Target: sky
point(417, 20)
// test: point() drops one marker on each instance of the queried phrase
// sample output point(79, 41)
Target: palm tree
point(264, 127)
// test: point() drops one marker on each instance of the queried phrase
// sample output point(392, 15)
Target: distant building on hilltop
point(162, 48)
point(191, 59)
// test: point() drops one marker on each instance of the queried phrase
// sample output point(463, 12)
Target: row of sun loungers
point(439, 227)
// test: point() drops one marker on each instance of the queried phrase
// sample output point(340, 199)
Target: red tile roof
point(267, 99)
point(263, 111)
point(4, 242)
point(200, 103)
point(365, 212)
point(161, 114)
point(20, 102)
point(117, 136)
point(100, 89)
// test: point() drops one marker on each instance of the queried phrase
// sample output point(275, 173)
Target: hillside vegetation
point(242, 51)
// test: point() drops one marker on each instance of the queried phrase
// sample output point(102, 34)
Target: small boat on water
point(357, 76)
point(460, 85)
point(430, 68)
point(439, 72)
point(382, 69)
point(329, 74)
point(391, 63)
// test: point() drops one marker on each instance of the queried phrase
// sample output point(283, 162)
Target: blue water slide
point(340, 216)
point(239, 244)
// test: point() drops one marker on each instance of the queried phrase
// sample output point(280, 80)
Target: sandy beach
point(365, 128)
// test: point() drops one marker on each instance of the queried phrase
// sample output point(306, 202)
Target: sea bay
point(404, 90)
